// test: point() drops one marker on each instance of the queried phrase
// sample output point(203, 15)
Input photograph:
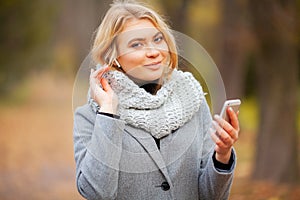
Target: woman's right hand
point(104, 96)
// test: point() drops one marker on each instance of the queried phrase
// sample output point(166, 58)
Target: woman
point(146, 131)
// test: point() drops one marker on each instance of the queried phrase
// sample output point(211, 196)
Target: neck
point(150, 86)
point(141, 82)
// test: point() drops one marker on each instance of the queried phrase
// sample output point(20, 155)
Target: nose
point(152, 52)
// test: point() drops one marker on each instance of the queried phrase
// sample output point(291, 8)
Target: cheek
point(163, 47)
point(165, 54)
point(164, 50)
point(131, 60)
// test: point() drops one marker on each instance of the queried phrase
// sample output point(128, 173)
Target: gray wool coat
point(117, 161)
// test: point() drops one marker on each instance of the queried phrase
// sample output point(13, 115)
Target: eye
point(137, 45)
point(158, 38)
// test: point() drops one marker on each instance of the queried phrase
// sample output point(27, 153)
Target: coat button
point(165, 186)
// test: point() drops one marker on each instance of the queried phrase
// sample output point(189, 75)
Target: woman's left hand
point(225, 134)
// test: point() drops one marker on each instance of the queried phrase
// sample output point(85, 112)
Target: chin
point(147, 75)
point(152, 76)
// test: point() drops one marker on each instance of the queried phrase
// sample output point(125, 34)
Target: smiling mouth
point(155, 65)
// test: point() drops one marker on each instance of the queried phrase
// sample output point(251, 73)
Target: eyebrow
point(143, 39)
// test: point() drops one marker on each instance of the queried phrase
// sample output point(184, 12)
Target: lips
point(154, 65)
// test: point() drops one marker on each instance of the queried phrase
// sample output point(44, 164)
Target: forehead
point(135, 24)
point(138, 28)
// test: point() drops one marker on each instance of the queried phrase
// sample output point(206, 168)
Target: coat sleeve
point(213, 183)
point(97, 148)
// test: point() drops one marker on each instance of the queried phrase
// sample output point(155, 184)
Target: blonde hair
point(104, 49)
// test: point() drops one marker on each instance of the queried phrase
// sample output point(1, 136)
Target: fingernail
point(217, 116)
point(107, 67)
point(98, 66)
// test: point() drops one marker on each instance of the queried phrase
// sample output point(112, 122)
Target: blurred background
point(255, 45)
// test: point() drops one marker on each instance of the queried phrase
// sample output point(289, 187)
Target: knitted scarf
point(172, 106)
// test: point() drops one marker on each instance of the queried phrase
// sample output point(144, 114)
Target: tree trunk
point(277, 72)
point(234, 35)
point(76, 25)
point(177, 11)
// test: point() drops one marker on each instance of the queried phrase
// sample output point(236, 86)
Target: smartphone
point(233, 103)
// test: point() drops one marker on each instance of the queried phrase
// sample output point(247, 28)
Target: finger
point(94, 72)
point(220, 146)
point(105, 85)
point(93, 81)
point(228, 128)
point(96, 76)
point(103, 70)
point(215, 138)
point(95, 87)
point(223, 123)
point(233, 119)
point(98, 72)
point(223, 135)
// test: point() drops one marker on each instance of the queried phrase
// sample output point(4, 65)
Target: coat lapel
point(149, 145)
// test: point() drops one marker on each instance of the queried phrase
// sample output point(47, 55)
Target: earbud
point(117, 63)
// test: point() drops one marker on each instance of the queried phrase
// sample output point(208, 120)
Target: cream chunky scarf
point(173, 105)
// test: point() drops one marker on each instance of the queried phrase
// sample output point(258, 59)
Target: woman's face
point(142, 49)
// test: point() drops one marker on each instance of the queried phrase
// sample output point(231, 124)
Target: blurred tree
point(78, 20)
point(235, 41)
point(25, 35)
point(275, 24)
point(177, 10)
point(43, 34)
